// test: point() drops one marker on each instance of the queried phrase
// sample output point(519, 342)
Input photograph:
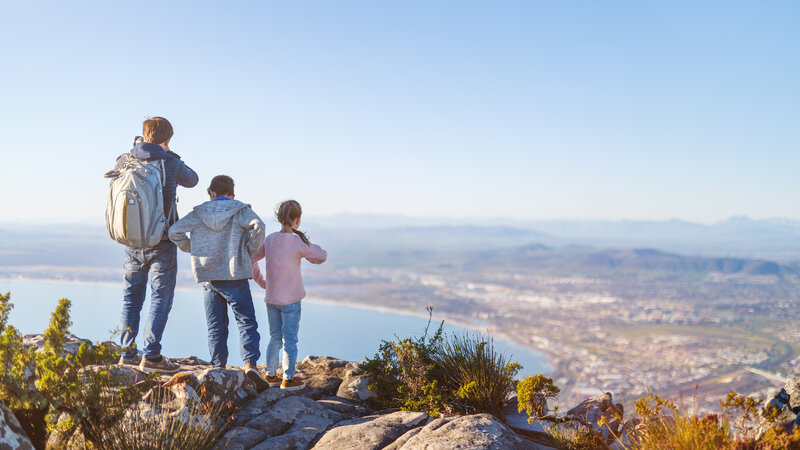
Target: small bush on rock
point(434, 374)
point(401, 372)
point(575, 436)
point(743, 424)
point(663, 425)
point(533, 393)
point(480, 378)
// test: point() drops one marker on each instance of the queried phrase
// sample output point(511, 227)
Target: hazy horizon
point(389, 220)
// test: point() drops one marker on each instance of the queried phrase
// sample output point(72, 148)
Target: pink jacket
point(284, 252)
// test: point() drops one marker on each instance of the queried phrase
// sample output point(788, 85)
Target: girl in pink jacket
point(283, 252)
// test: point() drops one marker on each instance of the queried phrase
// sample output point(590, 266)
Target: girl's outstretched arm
point(314, 254)
point(258, 277)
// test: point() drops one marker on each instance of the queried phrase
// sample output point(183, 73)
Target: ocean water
point(326, 328)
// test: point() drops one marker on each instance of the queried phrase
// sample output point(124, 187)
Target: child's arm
point(178, 230)
point(314, 254)
point(258, 277)
point(251, 222)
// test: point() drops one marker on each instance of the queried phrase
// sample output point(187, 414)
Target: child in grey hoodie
point(224, 234)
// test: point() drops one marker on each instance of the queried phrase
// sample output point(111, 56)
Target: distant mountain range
point(606, 262)
point(369, 239)
point(739, 236)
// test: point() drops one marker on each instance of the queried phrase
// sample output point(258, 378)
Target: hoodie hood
point(149, 152)
point(217, 214)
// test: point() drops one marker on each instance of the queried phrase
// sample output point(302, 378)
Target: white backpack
point(135, 208)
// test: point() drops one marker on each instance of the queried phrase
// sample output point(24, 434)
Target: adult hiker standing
point(148, 253)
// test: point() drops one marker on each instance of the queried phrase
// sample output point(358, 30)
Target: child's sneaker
point(162, 366)
point(254, 375)
point(128, 362)
point(274, 380)
point(292, 385)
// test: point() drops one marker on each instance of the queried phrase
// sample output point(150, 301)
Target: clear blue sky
point(525, 110)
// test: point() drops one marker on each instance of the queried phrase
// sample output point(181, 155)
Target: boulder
point(315, 365)
point(71, 342)
point(370, 432)
point(792, 389)
point(355, 387)
point(327, 385)
point(777, 399)
point(592, 409)
point(478, 431)
point(519, 420)
point(12, 436)
point(220, 383)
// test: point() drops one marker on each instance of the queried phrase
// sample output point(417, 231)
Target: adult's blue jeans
point(236, 293)
point(284, 324)
point(160, 265)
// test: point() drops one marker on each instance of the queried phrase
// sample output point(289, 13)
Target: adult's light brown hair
point(222, 185)
point(287, 213)
point(156, 130)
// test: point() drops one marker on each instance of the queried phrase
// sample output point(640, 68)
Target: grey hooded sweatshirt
point(224, 233)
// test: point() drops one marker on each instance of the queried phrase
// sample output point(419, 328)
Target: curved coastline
point(545, 356)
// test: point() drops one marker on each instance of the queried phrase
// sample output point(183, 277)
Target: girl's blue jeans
point(284, 324)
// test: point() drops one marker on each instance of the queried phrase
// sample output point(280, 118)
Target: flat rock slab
point(343, 406)
point(293, 422)
point(401, 441)
point(240, 438)
point(478, 431)
point(371, 432)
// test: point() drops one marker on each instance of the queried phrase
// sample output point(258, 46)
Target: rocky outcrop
point(332, 412)
point(593, 409)
point(786, 401)
point(12, 436)
point(71, 343)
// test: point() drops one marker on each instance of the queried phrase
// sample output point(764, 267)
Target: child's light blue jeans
point(284, 324)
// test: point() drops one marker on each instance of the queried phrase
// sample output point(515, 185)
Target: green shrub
point(532, 395)
point(41, 386)
point(437, 374)
point(662, 424)
point(742, 424)
point(480, 378)
point(400, 373)
point(575, 436)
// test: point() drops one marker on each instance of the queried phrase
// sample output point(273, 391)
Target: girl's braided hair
point(287, 213)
